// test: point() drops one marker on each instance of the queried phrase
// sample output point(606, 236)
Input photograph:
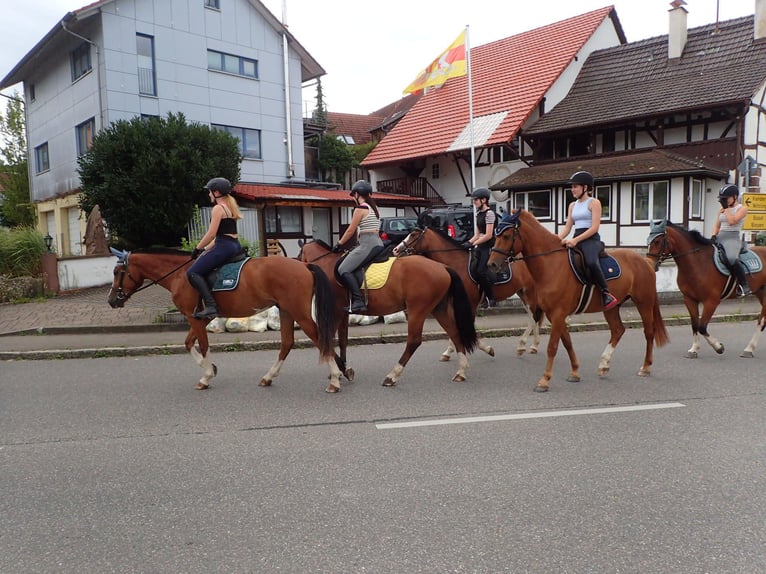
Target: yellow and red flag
point(450, 64)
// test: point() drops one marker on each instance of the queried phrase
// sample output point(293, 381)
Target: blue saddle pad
point(228, 275)
point(609, 267)
point(752, 262)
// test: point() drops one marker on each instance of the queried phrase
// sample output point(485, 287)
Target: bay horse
point(700, 282)
point(416, 284)
point(437, 245)
point(264, 282)
point(559, 291)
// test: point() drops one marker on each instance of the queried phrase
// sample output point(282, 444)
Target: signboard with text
point(755, 220)
point(756, 211)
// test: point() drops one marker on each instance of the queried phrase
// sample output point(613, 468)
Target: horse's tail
point(325, 311)
point(661, 336)
point(464, 317)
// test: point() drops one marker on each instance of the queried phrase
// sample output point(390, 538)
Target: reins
point(121, 295)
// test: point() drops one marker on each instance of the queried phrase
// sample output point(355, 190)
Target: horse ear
point(121, 255)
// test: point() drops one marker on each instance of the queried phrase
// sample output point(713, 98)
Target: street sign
point(754, 201)
point(755, 220)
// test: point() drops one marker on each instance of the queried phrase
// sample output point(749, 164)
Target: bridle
point(124, 271)
point(408, 248)
point(665, 253)
point(510, 255)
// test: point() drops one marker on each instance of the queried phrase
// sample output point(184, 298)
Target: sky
point(371, 50)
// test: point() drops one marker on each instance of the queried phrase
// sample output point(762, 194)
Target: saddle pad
point(503, 276)
point(609, 267)
point(377, 274)
point(752, 262)
point(228, 275)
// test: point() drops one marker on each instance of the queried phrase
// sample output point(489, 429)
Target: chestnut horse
point(264, 282)
point(437, 245)
point(416, 284)
point(700, 282)
point(559, 291)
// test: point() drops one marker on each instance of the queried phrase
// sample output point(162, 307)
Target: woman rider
point(365, 223)
point(483, 240)
point(223, 234)
point(585, 216)
point(728, 231)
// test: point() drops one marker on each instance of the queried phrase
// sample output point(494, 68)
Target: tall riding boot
point(357, 301)
point(741, 274)
point(198, 282)
point(489, 294)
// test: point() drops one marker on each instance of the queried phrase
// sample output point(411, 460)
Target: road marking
point(539, 415)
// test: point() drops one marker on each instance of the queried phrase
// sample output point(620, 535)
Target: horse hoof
point(491, 352)
point(746, 355)
point(332, 389)
point(643, 373)
point(444, 358)
point(202, 387)
point(264, 383)
point(389, 382)
point(720, 350)
point(573, 379)
point(533, 350)
point(541, 389)
point(520, 352)
point(603, 372)
point(349, 374)
point(458, 379)
point(691, 355)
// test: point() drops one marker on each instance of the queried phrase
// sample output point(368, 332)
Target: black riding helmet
point(583, 178)
point(729, 190)
point(480, 193)
point(219, 184)
point(362, 188)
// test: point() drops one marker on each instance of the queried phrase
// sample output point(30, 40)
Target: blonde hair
point(233, 206)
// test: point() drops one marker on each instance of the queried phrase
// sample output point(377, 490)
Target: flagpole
point(470, 105)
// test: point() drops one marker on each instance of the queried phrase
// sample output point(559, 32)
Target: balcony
point(411, 187)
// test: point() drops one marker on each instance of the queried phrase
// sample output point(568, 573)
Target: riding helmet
point(480, 193)
point(583, 178)
point(729, 190)
point(362, 188)
point(219, 184)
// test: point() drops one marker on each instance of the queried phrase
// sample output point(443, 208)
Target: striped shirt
point(370, 222)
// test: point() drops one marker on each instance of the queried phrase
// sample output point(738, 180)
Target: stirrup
point(206, 313)
point(356, 308)
point(743, 290)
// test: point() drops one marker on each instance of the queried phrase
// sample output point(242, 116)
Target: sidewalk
point(82, 324)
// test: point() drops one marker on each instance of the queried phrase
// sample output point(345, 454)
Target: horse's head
point(124, 283)
point(658, 246)
point(311, 251)
point(506, 236)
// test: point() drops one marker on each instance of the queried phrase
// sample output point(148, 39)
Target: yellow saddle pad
point(377, 274)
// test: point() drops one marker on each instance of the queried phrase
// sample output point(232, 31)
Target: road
point(118, 465)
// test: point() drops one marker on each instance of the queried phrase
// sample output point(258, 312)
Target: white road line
point(537, 415)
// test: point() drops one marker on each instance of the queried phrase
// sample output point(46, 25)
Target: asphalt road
point(118, 465)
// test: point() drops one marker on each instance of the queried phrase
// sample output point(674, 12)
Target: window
point(695, 200)
point(85, 132)
point(604, 195)
point(538, 203)
point(650, 200)
point(32, 96)
point(250, 140)
point(434, 171)
point(213, 4)
point(147, 84)
point(80, 61)
point(42, 161)
point(284, 221)
point(232, 64)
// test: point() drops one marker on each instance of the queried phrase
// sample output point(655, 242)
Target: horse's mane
point(322, 244)
point(693, 234)
point(444, 235)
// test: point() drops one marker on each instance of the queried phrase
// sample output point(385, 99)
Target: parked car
point(455, 220)
point(396, 228)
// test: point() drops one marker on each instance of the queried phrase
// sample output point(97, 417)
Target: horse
point(421, 286)
point(437, 245)
point(560, 293)
point(263, 282)
point(700, 282)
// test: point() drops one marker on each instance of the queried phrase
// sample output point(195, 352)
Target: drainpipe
point(288, 117)
point(97, 67)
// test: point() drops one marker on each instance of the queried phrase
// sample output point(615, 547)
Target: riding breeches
point(222, 250)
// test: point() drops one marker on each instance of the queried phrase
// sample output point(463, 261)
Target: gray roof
point(636, 80)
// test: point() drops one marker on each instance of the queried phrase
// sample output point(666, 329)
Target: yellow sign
point(754, 201)
point(755, 220)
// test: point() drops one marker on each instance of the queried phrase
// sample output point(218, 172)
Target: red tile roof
point(357, 126)
point(509, 77)
point(308, 196)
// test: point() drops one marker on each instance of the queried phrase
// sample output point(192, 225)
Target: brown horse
point(700, 282)
point(264, 282)
point(437, 245)
point(559, 292)
point(419, 285)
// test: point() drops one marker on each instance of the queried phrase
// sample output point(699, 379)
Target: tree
point(147, 175)
point(15, 207)
point(335, 157)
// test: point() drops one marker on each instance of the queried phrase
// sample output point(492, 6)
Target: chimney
point(677, 34)
point(759, 29)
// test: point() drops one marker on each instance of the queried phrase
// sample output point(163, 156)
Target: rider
point(585, 216)
point(222, 233)
point(728, 231)
point(366, 221)
point(482, 240)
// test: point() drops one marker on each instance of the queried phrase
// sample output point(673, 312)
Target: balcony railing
point(411, 187)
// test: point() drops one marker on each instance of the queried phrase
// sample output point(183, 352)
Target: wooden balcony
point(411, 187)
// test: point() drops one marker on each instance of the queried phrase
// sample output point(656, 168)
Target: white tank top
point(726, 226)
point(581, 215)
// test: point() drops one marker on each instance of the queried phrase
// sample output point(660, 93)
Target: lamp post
point(50, 266)
point(48, 242)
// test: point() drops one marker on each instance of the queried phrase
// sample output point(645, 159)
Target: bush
point(20, 251)
point(760, 239)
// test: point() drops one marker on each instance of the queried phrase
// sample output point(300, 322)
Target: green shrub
point(20, 251)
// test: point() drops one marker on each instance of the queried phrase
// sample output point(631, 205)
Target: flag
point(450, 64)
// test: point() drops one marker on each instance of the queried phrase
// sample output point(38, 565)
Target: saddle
point(382, 254)
point(749, 259)
point(609, 267)
point(503, 276)
point(226, 277)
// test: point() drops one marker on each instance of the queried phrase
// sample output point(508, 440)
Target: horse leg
point(558, 332)
point(532, 325)
point(287, 332)
point(617, 330)
point(694, 317)
point(286, 342)
point(197, 333)
point(574, 372)
point(708, 308)
point(340, 359)
point(447, 322)
point(447, 353)
point(414, 339)
point(750, 349)
point(487, 348)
